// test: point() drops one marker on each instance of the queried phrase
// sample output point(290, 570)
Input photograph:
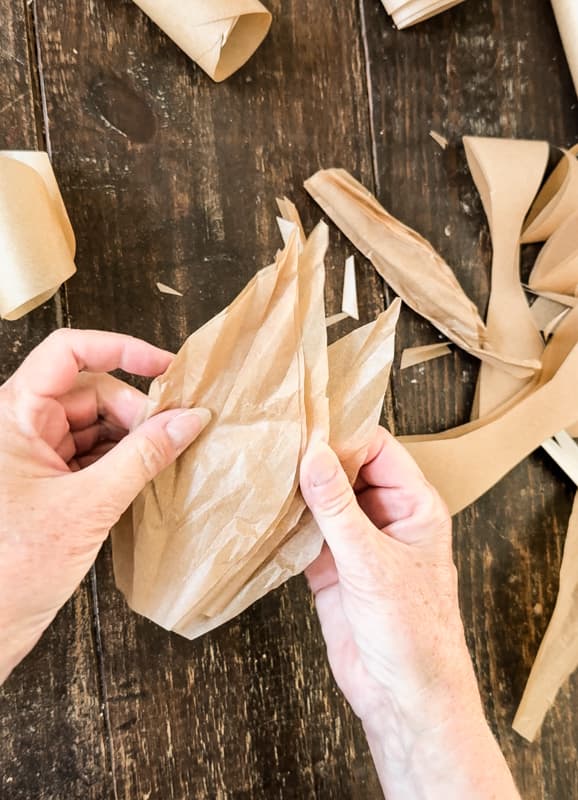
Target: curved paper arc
point(556, 201)
point(219, 35)
point(409, 264)
point(558, 654)
point(507, 174)
point(37, 240)
point(566, 13)
point(556, 268)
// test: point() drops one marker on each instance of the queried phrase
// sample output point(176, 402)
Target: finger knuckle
point(336, 502)
point(154, 453)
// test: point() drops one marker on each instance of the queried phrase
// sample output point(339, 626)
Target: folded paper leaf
point(558, 654)
point(507, 174)
point(219, 35)
point(409, 264)
point(214, 532)
point(37, 239)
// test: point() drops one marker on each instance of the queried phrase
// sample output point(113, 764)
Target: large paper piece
point(558, 654)
point(409, 264)
point(507, 173)
point(566, 12)
point(36, 236)
point(217, 530)
point(219, 35)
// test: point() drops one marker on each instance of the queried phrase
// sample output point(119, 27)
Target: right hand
point(386, 593)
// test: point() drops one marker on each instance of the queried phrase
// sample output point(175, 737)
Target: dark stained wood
point(492, 69)
point(169, 177)
point(52, 742)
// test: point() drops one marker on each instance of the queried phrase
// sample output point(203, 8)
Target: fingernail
point(322, 464)
point(186, 426)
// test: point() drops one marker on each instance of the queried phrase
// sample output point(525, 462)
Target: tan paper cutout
point(556, 297)
point(558, 654)
point(439, 139)
point(219, 35)
point(214, 532)
point(289, 213)
point(409, 12)
point(507, 174)
point(334, 319)
point(556, 268)
point(164, 289)
point(37, 239)
point(566, 13)
point(556, 201)
point(412, 356)
point(349, 304)
point(409, 264)
point(543, 311)
point(564, 451)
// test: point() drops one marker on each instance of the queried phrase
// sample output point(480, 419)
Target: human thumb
point(117, 478)
point(329, 495)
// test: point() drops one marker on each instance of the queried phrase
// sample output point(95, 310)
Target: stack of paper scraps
point(526, 388)
point(227, 523)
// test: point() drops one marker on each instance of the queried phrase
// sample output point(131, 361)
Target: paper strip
point(564, 451)
point(409, 264)
point(349, 303)
point(410, 12)
point(543, 311)
point(164, 289)
point(335, 318)
point(439, 139)
point(558, 654)
point(412, 356)
point(556, 268)
point(566, 13)
point(289, 213)
point(37, 240)
point(219, 35)
point(557, 200)
point(507, 174)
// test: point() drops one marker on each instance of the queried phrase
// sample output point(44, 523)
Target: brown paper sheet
point(556, 201)
point(412, 356)
point(219, 35)
point(215, 532)
point(409, 12)
point(558, 654)
point(507, 174)
point(37, 256)
point(289, 213)
point(566, 13)
point(556, 268)
point(164, 289)
point(564, 451)
point(409, 264)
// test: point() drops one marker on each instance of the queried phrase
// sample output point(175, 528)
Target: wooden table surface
point(170, 177)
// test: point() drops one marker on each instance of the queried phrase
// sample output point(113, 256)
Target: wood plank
point(51, 737)
point(172, 178)
point(489, 69)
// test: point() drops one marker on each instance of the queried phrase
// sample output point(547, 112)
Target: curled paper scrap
point(556, 268)
point(37, 239)
point(409, 12)
point(556, 201)
point(214, 532)
point(566, 13)
point(412, 356)
point(409, 264)
point(558, 654)
point(219, 35)
point(507, 174)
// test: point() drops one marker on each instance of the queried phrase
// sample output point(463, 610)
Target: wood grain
point(169, 177)
point(52, 742)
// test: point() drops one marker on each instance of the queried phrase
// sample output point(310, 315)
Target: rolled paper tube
point(409, 12)
point(37, 239)
point(219, 35)
point(566, 13)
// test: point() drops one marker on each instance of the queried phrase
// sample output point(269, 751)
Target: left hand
point(68, 469)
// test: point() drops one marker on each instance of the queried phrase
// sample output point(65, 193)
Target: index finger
point(389, 465)
point(51, 368)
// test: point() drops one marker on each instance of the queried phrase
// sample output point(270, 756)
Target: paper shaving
point(409, 264)
point(558, 654)
point(566, 12)
point(164, 289)
point(544, 311)
point(409, 12)
point(335, 318)
point(439, 139)
point(553, 324)
point(37, 239)
point(556, 201)
point(218, 529)
point(556, 297)
point(219, 35)
point(412, 356)
point(556, 268)
point(289, 213)
point(497, 165)
point(349, 304)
